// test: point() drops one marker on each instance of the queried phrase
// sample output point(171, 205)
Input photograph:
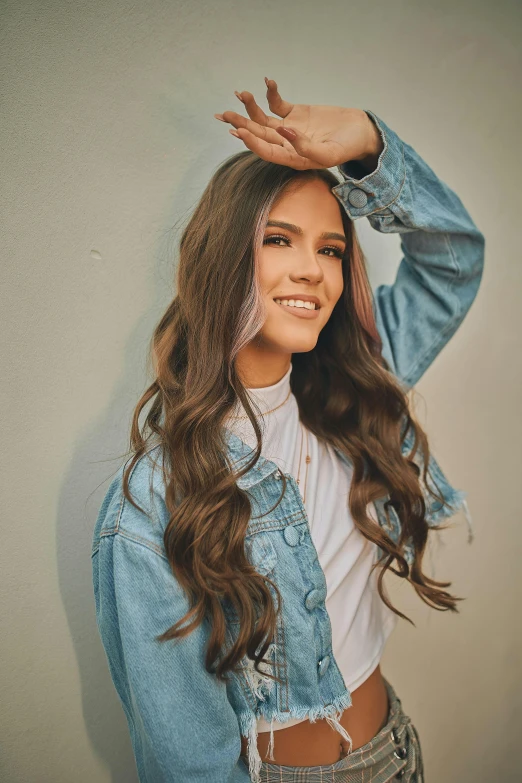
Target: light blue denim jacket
point(184, 725)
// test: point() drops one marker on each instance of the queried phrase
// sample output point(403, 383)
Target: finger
point(323, 152)
point(275, 102)
point(262, 131)
point(255, 112)
point(284, 156)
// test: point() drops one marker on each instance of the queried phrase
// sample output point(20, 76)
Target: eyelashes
point(268, 241)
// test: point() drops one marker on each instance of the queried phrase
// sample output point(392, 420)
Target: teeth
point(297, 303)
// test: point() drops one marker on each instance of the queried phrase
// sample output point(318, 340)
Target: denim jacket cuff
point(375, 190)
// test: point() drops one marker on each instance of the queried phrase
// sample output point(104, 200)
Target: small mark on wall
point(95, 254)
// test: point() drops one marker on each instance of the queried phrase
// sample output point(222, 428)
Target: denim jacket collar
point(240, 453)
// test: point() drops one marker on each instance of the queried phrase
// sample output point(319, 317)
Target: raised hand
point(324, 136)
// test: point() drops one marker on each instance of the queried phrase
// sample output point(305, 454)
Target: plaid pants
point(393, 754)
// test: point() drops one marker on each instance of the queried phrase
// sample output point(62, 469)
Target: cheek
point(268, 275)
point(335, 285)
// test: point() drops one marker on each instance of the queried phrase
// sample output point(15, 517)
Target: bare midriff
point(313, 744)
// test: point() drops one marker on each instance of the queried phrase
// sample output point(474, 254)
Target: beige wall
point(107, 137)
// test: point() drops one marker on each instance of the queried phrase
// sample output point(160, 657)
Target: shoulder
point(118, 516)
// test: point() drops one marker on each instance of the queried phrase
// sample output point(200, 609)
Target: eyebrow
point(298, 230)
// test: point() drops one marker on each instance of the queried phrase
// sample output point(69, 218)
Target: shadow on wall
point(96, 460)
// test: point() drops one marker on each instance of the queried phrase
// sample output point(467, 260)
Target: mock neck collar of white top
point(266, 398)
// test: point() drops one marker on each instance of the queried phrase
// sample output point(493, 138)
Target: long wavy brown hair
point(345, 392)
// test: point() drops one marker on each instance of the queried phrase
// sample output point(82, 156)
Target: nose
point(307, 267)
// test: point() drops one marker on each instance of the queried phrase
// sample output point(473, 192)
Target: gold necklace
point(308, 459)
point(270, 411)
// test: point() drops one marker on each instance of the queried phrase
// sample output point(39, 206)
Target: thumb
point(303, 146)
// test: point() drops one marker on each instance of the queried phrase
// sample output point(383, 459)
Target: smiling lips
point(299, 307)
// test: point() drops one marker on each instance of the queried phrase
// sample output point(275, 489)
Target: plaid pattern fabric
point(393, 754)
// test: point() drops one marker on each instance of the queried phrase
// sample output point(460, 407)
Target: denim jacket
point(184, 724)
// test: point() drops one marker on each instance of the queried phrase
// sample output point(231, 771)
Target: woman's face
point(300, 262)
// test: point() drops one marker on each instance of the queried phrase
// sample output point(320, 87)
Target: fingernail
point(238, 96)
point(217, 116)
point(266, 81)
point(234, 133)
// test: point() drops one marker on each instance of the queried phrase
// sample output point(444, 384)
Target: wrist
point(374, 146)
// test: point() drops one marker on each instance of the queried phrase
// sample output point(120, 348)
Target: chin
point(293, 344)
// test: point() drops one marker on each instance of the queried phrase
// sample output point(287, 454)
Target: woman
point(238, 559)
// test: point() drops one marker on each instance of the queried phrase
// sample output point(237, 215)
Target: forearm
point(443, 252)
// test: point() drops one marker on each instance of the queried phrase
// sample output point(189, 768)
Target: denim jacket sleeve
point(443, 252)
point(181, 723)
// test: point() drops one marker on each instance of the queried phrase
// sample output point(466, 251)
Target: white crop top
point(361, 621)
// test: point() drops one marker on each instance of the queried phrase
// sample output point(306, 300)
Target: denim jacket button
point(357, 198)
point(313, 599)
point(291, 535)
point(323, 665)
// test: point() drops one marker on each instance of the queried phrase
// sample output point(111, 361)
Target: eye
point(270, 240)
